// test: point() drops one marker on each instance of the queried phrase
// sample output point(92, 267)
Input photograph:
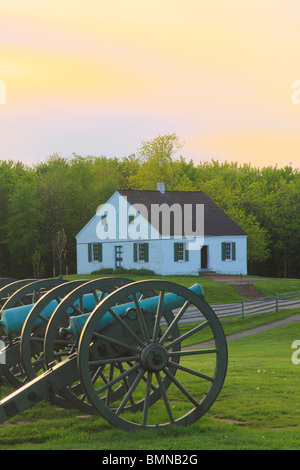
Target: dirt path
point(258, 329)
point(262, 328)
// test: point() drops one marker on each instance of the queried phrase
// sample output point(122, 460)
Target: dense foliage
point(63, 194)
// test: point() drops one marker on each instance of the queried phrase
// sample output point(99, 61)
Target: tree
point(59, 248)
point(282, 219)
point(23, 224)
point(228, 198)
point(53, 188)
point(38, 265)
point(157, 164)
point(161, 149)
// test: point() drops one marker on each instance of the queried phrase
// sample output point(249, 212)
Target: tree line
point(43, 207)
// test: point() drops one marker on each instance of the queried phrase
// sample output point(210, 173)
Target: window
point(95, 252)
point(181, 252)
point(228, 251)
point(141, 252)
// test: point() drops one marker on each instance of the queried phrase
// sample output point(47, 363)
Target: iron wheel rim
point(143, 369)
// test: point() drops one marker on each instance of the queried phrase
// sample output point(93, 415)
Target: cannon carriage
point(118, 349)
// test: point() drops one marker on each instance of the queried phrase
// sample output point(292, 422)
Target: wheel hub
point(154, 357)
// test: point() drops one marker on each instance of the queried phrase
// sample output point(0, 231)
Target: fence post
point(243, 309)
point(277, 302)
point(2, 353)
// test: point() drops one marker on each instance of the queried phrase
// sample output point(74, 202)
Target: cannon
point(16, 294)
point(13, 319)
point(133, 360)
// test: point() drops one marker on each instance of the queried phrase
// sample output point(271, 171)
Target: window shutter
point(146, 252)
point(135, 252)
point(233, 251)
point(90, 252)
point(223, 251)
point(175, 252)
point(100, 252)
point(186, 252)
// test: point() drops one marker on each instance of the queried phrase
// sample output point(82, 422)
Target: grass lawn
point(214, 292)
point(269, 288)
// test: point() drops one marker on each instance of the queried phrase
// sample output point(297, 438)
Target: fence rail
point(259, 306)
point(246, 308)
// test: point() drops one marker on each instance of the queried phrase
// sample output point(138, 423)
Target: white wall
point(215, 263)
point(169, 266)
point(161, 257)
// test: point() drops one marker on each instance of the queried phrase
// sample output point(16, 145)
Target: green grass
point(265, 379)
point(214, 292)
point(269, 288)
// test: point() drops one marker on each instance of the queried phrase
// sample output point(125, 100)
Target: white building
point(172, 232)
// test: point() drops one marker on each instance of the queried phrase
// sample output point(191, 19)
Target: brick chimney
point(161, 187)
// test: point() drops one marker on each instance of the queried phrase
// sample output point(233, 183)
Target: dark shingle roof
point(216, 221)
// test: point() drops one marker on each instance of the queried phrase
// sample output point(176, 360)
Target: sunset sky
point(98, 77)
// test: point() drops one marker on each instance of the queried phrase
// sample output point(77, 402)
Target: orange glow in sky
point(99, 77)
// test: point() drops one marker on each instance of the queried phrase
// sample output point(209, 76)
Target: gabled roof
point(216, 221)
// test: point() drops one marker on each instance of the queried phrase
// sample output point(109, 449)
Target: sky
point(99, 77)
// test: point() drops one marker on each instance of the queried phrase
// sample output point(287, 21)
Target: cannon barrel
point(13, 319)
point(20, 358)
point(171, 301)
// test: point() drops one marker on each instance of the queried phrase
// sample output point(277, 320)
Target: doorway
point(204, 256)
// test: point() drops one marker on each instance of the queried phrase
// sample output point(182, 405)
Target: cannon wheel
point(200, 371)
point(9, 289)
point(34, 288)
point(32, 336)
point(16, 375)
point(56, 348)
point(6, 291)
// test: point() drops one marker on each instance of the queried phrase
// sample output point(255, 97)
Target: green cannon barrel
point(171, 302)
point(13, 319)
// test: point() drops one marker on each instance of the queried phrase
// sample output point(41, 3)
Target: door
point(118, 256)
point(204, 256)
